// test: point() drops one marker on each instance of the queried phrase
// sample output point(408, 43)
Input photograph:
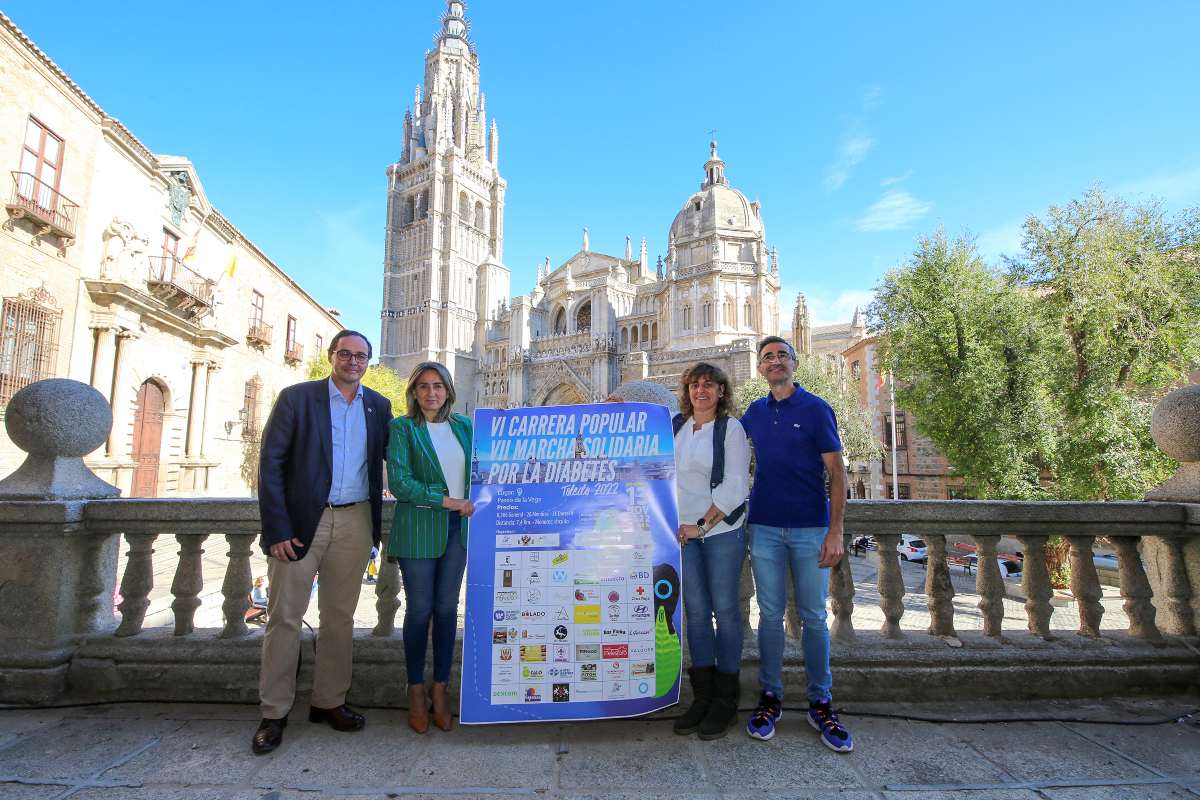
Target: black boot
point(723, 711)
point(702, 695)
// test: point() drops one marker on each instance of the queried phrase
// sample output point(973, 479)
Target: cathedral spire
point(455, 27)
point(586, 247)
point(628, 249)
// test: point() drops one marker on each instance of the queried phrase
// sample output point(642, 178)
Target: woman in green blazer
point(428, 461)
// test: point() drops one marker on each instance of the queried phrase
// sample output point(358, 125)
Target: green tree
point(382, 379)
point(1037, 377)
point(965, 347)
point(822, 379)
point(1118, 285)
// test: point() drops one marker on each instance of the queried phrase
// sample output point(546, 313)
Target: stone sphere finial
point(57, 422)
point(647, 392)
point(1175, 428)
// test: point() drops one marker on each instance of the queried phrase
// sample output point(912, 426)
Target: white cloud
point(1180, 187)
point(894, 179)
point(894, 210)
point(851, 152)
point(824, 308)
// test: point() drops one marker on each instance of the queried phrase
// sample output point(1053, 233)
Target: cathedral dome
point(716, 207)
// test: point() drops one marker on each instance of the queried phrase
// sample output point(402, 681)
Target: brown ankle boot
point(418, 708)
point(441, 707)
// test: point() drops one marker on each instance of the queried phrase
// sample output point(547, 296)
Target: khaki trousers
point(338, 554)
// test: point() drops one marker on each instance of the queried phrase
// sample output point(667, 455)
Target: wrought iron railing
point(42, 203)
point(174, 280)
point(259, 332)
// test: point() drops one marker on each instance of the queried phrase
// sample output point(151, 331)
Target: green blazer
point(420, 526)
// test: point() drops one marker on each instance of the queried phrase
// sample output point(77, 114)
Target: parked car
point(1009, 568)
point(912, 549)
point(1105, 561)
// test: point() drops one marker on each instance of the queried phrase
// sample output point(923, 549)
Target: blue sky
point(859, 128)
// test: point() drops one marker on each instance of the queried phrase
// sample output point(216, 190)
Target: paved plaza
point(201, 752)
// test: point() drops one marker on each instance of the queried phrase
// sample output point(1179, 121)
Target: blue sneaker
point(762, 721)
point(822, 717)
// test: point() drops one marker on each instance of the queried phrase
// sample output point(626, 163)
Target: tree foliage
point(1037, 377)
point(382, 379)
point(822, 379)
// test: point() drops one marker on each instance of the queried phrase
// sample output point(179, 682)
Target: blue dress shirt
point(348, 423)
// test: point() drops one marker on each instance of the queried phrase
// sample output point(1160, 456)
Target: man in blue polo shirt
point(792, 524)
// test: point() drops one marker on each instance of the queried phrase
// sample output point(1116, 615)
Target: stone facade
point(117, 271)
point(590, 322)
point(922, 472)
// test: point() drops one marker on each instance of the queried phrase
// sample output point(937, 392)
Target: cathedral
point(588, 324)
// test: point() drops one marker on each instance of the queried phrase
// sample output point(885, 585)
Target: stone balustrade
point(62, 638)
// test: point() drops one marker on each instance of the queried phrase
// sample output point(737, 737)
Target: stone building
point(590, 322)
point(116, 270)
point(921, 471)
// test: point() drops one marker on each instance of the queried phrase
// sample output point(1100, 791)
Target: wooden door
point(147, 440)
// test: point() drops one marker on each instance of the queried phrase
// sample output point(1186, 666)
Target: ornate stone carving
point(179, 196)
point(124, 252)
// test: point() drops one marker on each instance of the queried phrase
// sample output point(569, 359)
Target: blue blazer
point(295, 467)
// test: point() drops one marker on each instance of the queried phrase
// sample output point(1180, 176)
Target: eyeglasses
point(346, 355)
point(773, 357)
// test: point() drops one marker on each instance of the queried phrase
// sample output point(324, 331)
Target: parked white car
point(912, 549)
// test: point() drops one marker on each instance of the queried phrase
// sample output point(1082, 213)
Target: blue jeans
point(772, 551)
point(712, 568)
point(431, 587)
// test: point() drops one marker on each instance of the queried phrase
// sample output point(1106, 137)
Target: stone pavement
point(201, 752)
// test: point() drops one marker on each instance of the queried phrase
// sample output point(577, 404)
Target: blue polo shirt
point(789, 437)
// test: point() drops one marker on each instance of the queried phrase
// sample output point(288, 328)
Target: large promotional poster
point(572, 566)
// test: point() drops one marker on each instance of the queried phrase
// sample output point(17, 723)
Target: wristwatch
point(700, 524)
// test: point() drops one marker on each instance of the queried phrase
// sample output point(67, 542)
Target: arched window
point(687, 318)
point(654, 334)
point(423, 206)
point(729, 319)
point(583, 317)
point(560, 321)
point(409, 212)
point(706, 315)
point(625, 339)
point(633, 339)
point(480, 222)
point(464, 207)
point(645, 334)
point(749, 315)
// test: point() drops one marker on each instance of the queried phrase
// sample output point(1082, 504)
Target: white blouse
point(693, 473)
point(451, 457)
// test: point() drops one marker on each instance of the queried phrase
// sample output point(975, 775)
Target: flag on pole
point(231, 268)
point(189, 255)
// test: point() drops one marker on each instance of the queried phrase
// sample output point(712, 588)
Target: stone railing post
point(1173, 567)
point(56, 581)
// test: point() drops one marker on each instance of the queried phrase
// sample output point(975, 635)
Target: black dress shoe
point(341, 718)
point(268, 736)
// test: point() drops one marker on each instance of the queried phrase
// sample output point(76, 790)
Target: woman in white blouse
point(713, 539)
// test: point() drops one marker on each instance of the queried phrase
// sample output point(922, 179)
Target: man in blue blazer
point(320, 495)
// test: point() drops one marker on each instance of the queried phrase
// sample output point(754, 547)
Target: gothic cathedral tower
point(444, 275)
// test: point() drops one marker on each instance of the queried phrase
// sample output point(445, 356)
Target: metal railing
point(175, 281)
point(42, 203)
point(259, 332)
point(294, 353)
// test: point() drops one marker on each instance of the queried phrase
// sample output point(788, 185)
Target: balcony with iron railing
point(49, 210)
point(294, 353)
point(179, 286)
point(259, 333)
point(900, 632)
